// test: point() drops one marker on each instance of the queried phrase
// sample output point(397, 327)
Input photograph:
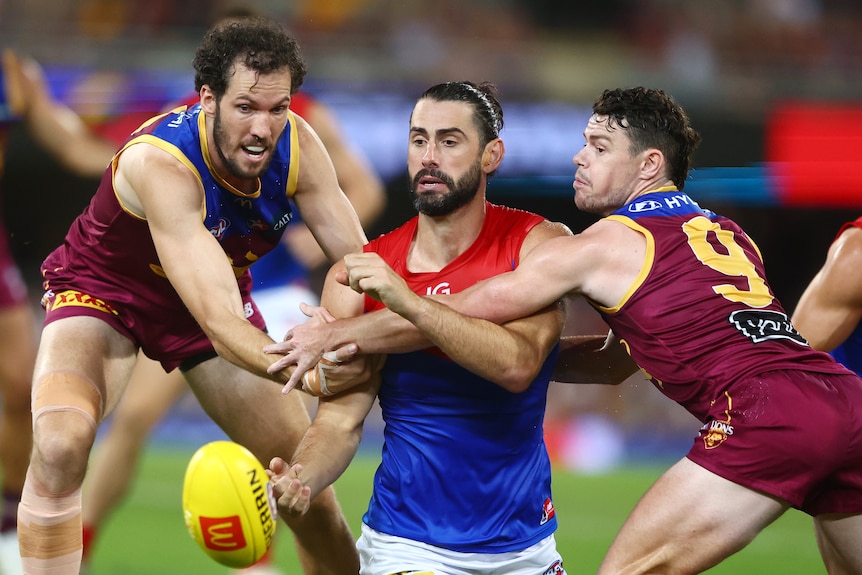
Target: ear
point(653, 164)
point(208, 100)
point(493, 155)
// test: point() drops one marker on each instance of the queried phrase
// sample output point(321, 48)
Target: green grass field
point(147, 535)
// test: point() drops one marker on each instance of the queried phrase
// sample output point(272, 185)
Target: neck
point(439, 241)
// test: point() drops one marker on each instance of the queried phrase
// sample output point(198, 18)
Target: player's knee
point(66, 409)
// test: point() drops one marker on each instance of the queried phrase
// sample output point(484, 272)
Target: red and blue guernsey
point(464, 463)
point(701, 315)
point(849, 352)
point(107, 266)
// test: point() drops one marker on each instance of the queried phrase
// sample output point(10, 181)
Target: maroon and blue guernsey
point(701, 314)
point(107, 266)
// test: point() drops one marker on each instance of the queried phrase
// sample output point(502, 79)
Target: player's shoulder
point(847, 248)
point(547, 229)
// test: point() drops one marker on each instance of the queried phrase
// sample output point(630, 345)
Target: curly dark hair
point(653, 120)
point(259, 43)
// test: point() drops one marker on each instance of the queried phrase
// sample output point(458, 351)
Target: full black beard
point(460, 192)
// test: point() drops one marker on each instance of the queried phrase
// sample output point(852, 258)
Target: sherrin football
point(228, 504)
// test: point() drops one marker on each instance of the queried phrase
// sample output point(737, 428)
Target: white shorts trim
point(381, 554)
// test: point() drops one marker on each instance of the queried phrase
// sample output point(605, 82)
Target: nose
point(260, 127)
point(429, 158)
point(577, 159)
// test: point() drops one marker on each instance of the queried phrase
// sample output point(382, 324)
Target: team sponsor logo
point(548, 511)
point(763, 325)
point(715, 433)
point(283, 221)
point(74, 298)
point(220, 228)
point(441, 288)
point(556, 568)
point(644, 206)
point(258, 225)
point(223, 533)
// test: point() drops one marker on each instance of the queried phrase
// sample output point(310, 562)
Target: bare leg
point(254, 412)
point(689, 521)
point(150, 394)
point(838, 538)
point(82, 366)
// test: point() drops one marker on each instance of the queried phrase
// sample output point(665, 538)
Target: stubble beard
point(221, 140)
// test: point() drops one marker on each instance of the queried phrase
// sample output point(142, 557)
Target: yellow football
point(228, 504)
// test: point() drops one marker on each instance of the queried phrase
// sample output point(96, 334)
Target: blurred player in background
point(24, 97)
point(236, 151)
point(281, 283)
point(829, 313)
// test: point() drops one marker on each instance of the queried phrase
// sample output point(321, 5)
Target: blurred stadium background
point(774, 86)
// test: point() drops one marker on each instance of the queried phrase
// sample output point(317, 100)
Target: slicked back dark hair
point(652, 120)
point(258, 43)
point(487, 112)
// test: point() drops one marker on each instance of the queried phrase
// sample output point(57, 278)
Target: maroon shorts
point(13, 290)
point(793, 434)
point(169, 335)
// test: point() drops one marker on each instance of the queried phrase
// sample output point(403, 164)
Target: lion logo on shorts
point(715, 433)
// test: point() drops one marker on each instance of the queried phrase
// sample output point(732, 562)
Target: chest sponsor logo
point(73, 298)
point(283, 221)
point(763, 325)
point(441, 288)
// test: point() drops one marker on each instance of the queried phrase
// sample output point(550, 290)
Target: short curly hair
point(258, 43)
point(652, 120)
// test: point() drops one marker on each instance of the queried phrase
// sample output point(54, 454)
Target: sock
point(89, 532)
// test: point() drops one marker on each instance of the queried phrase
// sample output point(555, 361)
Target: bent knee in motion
point(66, 409)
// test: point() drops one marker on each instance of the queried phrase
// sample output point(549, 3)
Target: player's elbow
point(518, 378)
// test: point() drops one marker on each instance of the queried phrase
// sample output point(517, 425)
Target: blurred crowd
point(723, 53)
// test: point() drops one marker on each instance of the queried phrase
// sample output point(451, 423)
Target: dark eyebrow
point(442, 132)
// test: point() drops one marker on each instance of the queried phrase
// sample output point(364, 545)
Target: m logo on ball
point(223, 533)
